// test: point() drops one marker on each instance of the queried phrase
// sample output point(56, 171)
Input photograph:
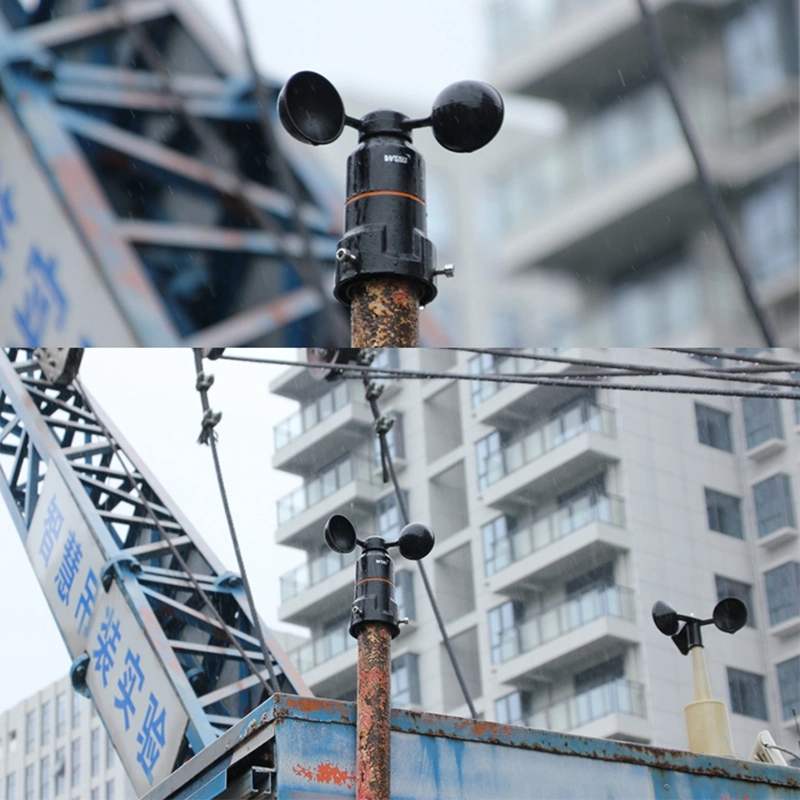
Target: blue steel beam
point(44, 428)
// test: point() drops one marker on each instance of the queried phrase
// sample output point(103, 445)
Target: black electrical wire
point(718, 211)
point(372, 392)
point(202, 387)
point(354, 370)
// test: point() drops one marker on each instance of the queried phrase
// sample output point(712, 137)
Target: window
point(783, 592)
point(394, 439)
point(724, 513)
point(599, 675)
point(774, 507)
point(30, 731)
point(713, 427)
point(44, 778)
point(11, 786)
point(110, 752)
point(390, 520)
point(496, 545)
point(110, 790)
point(762, 420)
point(503, 636)
point(789, 687)
point(405, 680)
point(46, 722)
point(511, 709)
point(60, 771)
point(404, 594)
point(483, 364)
point(95, 795)
point(75, 764)
point(582, 505)
point(489, 451)
point(61, 714)
point(747, 693)
point(30, 782)
point(728, 587)
point(77, 702)
point(94, 752)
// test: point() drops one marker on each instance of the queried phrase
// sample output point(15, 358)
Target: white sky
point(150, 396)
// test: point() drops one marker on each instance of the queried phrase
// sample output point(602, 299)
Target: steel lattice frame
point(196, 240)
point(42, 425)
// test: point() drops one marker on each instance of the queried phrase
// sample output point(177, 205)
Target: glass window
point(713, 427)
point(511, 709)
point(11, 786)
point(390, 519)
point(61, 714)
point(110, 790)
point(724, 513)
point(762, 420)
point(94, 752)
point(496, 545)
point(503, 631)
point(405, 680)
point(489, 451)
point(30, 731)
point(77, 702)
point(110, 752)
point(46, 722)
point(60, 771)
point(95, 795)
point(30, 782)
point(44, 778)
point(404, 594)
point(783, 592)
point(75, 764)
point(773, 501)
point(789, 687)
point(747, 693)
point(728, 587)
point(599, 675)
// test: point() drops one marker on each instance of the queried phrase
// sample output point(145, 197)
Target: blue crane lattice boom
point(158, 664)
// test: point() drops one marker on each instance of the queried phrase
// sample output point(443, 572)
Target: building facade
point(561, 515)
point(615, 203)
point(54, 747)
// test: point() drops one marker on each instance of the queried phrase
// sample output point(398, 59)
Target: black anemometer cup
point(385, 214)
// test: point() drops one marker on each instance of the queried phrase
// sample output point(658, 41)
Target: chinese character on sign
point(85, 606)
point(151, 737)
point(127, 683)
point(70, 562)
point(52, 529)
point(41, 296)
point(7, 216)
point(106, 644)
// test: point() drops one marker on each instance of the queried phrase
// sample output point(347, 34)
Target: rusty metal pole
point(373, 712)
point(384, 312)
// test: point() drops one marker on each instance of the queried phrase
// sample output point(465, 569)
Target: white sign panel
point(136, 700)
point(134, 696)
point(51, 292)
point(66, 559)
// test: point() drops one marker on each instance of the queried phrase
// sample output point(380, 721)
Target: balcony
point(322, 649)
point(481, 391)
point(328, 427)
point(313, 572)
point(575, 444)
point(555, 543)
point(620, 697)
point(345, 486)
point(595, 622)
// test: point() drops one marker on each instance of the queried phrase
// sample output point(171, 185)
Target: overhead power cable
point(372, 393)
point(354, 370)
point(712, 195)
point(208, 436)
point(173, 549)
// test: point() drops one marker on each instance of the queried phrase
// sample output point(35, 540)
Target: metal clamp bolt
point(448, 270)
point(344, 255)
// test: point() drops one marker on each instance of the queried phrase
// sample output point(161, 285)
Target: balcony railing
point(552, 527)
point(311, 415)
point(325, 484)
point(540, 440)
point(616, 697)
point(608, 601)
point(313, 572)
point(490, 364)
point(320, 650)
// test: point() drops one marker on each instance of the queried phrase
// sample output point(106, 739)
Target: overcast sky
point(150, 396)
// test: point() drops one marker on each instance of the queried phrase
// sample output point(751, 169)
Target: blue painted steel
point(312, 745)
point(43, 428)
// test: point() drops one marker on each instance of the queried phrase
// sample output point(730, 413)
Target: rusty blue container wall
point(311, 744)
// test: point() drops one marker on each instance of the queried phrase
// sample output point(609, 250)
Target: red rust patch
point(325, 773)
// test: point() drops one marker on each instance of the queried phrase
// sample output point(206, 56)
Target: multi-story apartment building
point(615, 203)
point(561, 515)
point(53, 746)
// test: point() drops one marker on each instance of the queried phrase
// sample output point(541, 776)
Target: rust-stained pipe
point(385, 313)
point(373, 712)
